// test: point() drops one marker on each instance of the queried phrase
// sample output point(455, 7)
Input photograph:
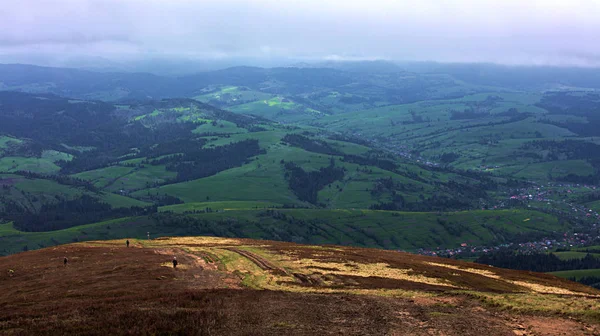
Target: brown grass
point(219, 289)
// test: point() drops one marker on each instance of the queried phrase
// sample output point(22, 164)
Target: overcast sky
point(565, 32)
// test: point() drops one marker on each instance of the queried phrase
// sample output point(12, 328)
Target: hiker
point(127, 242)
point(174, 262)
point(65, 261)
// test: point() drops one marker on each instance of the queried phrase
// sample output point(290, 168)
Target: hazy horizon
point(267, 32)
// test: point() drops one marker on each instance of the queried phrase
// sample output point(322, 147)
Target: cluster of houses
point(558, 197)
point(541, 246)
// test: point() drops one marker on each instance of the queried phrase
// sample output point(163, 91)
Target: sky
point(532, 32)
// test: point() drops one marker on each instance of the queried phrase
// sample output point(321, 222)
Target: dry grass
point(552, 304)
point(528, 285)
point(545, 289)
point(483, 272)
point(240, 286)
point(381, 270)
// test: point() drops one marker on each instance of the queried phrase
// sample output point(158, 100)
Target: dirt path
point(114, 290)
point(209, 258)
point(261, 262)
point(200, 273)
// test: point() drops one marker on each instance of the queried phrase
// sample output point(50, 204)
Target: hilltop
point(240, 287)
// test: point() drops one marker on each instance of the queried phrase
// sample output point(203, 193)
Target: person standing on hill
point(127, 242)
point(65, 261)
point(174, 262)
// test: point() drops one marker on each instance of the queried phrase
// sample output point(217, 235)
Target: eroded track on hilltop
point(261, 262)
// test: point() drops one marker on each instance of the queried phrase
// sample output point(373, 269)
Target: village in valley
point(555, 198)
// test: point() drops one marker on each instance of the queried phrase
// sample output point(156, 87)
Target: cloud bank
point(562, 32)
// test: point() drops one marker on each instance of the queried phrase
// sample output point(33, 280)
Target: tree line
point(538, 262)
point(69, 213)
point(311, 145)
point(195, 163)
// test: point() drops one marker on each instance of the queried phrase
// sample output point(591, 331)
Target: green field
point(13, 241)
point(37, 165)
point(383, 229)
point(578, 274)
point(55, 156)
point(540, 171)
point(230, 205)
point(124, 178)
point(119, 201)
point(104, 176)
point(221, 127)
point(247, 183)
point(44, 164)
point(568, 255)
point(587, 248)
point(232, 95)
point(397, 229)
point(263, 179)
point(490, 142)
point(6, 141)
point(278, 108)
point(32, 193)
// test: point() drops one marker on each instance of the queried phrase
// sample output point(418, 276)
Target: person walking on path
point(65, 261)
point(127, 242)
point(174, 262)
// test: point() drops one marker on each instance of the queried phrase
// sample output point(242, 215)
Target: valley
point(419, 161)
point(303, 168)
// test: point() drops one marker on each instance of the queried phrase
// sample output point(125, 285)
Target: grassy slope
point(44, 164)
point(225, 205)
point(438, 134)
point(119, 201)
point(392, 230)
point(536, 171)
point(37, 165)
point(222, 127)
point(260, 180)
point(389, 229)
point(263, 179)
point(6, 141)
point(279, 109)
point(116, 178)
point(33, 193)
point(247, 183)
point(232, 95)
point(578, 274)
point(13, 241)
point(568, 255)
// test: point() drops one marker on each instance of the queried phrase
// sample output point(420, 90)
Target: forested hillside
point(367, 154)
point(136, 159)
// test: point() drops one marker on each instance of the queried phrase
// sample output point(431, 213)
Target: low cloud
point(504, 31)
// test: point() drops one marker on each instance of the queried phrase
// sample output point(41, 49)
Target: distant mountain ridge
point(114, 86)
